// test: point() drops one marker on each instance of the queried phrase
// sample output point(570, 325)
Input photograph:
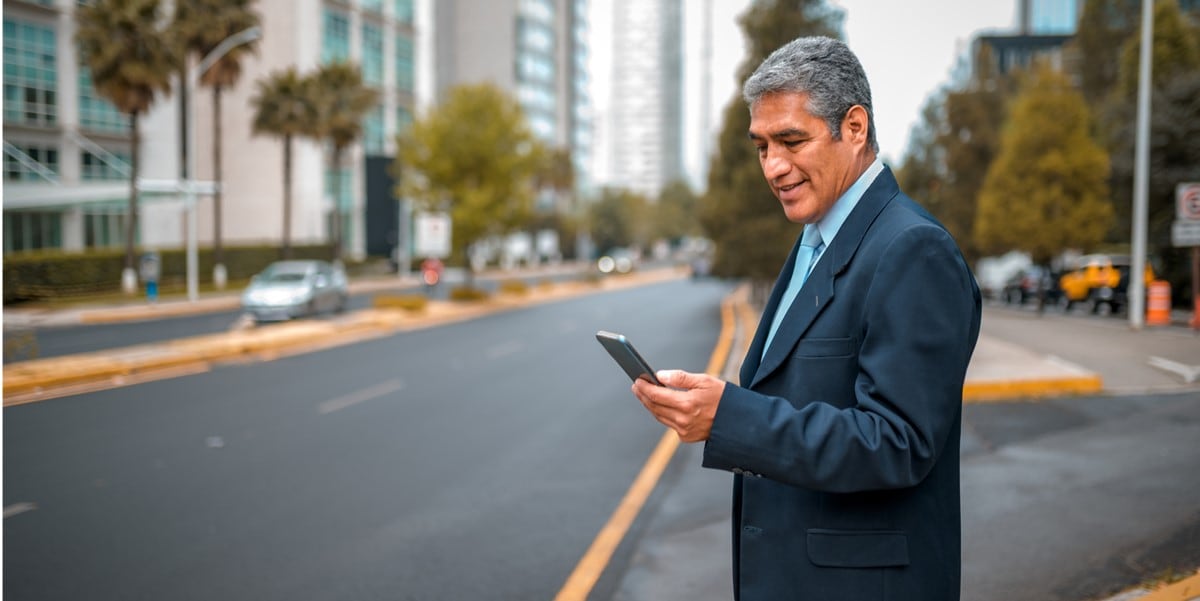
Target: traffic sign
point(1185, 233)
point(432, 237)
point(1187, 197)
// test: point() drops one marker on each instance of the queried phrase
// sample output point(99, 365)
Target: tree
point(283, 106)
point(1174, 134)
point(738, 211)
point(200, 26)
point(617, 220)
point(675, 212)
point(1104, 25)
point(131, 61)
point(1046, 190)
point(474, 156)
point(342, 100)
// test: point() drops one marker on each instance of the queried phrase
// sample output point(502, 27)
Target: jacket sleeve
point(919, 324)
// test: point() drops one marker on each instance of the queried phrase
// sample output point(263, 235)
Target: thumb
point(677, 378)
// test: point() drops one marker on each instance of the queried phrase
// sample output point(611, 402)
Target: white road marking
point(1189, 373)
point(361, 396)
point(18, 508)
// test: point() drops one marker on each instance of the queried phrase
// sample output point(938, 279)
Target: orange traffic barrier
point(1158, 304)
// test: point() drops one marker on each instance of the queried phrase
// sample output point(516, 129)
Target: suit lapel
point(819, 289)
point(755, 352)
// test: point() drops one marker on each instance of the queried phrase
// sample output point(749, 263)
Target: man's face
point(806, 168)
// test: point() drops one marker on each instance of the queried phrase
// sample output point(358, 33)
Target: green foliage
point(201, 25)
point(738, 212)
point(475, 157)
point(1175, 50)
point(954, 146)
point(130, 56)
point(1046, 191)
point(1104, 26)
point(618, 219)
point(675, 213)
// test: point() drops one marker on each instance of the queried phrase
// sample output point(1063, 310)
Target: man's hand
point(686, 403)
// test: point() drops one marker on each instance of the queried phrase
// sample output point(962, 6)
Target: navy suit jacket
point(844, 438)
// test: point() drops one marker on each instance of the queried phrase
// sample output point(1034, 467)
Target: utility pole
point(1141, 177)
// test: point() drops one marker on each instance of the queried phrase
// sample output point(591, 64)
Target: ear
point(855, 125)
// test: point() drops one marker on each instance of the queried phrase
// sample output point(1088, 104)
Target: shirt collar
point(833, 220)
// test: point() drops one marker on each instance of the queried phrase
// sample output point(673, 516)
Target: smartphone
point(627, 357)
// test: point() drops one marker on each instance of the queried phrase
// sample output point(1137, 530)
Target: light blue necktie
point(810, 247)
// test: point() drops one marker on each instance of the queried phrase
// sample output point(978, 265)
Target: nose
point(773, 165)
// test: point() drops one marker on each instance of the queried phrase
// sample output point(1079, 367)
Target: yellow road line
point(579, 584)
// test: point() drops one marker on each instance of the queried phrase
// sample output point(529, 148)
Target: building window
point(104, 230)
point(372, 54)
point(30, 64)
point(338, 187)
point(373, 131)
point(404, 119)
point(375, 6)
point(336, 38)
point(404, 11)
point(32, 230)
point(404, 64)
point(94, 168)
point(46, 156)
point(96, 112)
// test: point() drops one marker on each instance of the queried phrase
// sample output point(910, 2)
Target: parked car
point(1100, 281)
point(1027, 284)
point(290, 289)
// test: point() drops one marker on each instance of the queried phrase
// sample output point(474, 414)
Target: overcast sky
point(907, 49)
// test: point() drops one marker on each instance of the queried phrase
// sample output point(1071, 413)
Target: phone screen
point(627, 357)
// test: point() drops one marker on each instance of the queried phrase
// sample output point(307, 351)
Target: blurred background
point(551, 130)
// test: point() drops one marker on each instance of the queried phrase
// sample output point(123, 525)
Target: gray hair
point(823, 68)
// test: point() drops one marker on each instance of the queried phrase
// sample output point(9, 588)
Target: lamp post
point(189, 184)
point(1141, 183)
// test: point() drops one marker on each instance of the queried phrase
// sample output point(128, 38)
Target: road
point(469, 461)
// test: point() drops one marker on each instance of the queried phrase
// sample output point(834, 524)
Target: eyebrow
point(790, 132)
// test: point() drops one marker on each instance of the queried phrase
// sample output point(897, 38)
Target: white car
point(290, 289)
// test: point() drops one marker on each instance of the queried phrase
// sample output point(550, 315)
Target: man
point(843, 436)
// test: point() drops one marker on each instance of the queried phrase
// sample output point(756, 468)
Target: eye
point(792, 144)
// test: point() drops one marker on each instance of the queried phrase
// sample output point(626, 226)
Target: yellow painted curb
point(1187, 589)
point(999, 390)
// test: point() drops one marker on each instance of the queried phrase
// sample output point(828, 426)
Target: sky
point(908, 50)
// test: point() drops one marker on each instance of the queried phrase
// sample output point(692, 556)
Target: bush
point(514, 287)
point(57, 274)
point(412, 303)
point(468, 294)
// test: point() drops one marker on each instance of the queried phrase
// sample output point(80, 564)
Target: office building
point(67, 151)
point(646, 108)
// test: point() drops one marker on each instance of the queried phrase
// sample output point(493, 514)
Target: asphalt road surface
point(470, 461)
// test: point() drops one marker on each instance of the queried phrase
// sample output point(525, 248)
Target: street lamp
point(189, 184)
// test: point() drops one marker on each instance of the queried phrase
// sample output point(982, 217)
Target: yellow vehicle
point(1101, 281)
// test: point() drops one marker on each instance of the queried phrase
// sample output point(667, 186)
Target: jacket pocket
point(857, 548)
point(824, 347)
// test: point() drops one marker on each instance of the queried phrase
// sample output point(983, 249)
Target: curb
point(983, 391)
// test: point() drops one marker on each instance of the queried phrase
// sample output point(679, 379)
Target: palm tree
point(342, 101)
point(200, 26)
point(131, 61)
point(283, 107)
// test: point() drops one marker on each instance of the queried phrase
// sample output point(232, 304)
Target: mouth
point(788, 188)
